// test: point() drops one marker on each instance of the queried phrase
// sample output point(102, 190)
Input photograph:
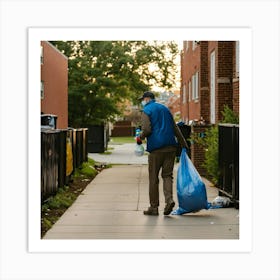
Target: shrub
point(87, 170)
point(229, 116)
point(211, 145)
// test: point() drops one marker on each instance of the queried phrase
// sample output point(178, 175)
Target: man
point(161, 131)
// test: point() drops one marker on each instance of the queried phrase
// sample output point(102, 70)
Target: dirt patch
point(50, 215)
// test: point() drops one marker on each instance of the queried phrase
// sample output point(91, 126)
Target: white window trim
point(193, 45)
point(195, 86)
point(190, 90)
point(237, 58)
point(42, 55)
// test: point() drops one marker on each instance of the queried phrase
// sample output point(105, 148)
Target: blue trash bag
point(191, 191)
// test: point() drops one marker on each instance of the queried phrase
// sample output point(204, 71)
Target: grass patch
point(53, 207)
point(86, 170)
point(121, 140)
point(106, 153)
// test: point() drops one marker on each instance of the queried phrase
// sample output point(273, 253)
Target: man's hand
point(138, 140)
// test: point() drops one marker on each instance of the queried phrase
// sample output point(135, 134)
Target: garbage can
point(97, 138)
point(49, 162)
point(48, 121)
point(186, 131)
point(229, 161)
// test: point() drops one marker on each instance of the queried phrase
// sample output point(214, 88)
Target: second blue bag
point(191, 191)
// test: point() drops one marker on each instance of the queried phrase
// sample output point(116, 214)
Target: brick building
point(209, 79)
point(54, 83)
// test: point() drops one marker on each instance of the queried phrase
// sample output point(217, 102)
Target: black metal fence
point(229, 161)
point(54, 157)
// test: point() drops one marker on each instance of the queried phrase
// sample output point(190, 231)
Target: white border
point(262, 16)
point(244, 35)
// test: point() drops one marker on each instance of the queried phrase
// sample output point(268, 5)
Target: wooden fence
point(54, 157)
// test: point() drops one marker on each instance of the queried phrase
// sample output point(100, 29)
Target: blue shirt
point(162, 126)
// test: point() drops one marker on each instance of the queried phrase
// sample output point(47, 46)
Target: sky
point(178, 74)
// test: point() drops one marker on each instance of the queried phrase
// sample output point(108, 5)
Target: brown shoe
point(168, 208)
point(151, 211)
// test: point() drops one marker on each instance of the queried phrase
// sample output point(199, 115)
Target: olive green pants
point(162, 159)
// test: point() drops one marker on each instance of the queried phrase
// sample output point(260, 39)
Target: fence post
point(85, 144)
point(62, 157)
point(49, 163)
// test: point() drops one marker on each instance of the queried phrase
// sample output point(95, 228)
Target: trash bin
point(49, 162)
point(97, 138)
point(186, 131)
point(48, 121)
point(229, 161)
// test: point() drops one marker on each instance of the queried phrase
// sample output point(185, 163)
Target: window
point(42, 90)
point(195, 86)
point(237, 58)
point(190, 90)
point(42, 55)
point(193, 45)
point(187, 45)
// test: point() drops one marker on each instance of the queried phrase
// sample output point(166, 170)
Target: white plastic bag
point(139, 150)
point(221, 201)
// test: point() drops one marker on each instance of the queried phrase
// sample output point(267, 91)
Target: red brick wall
point(54, 73)
point(190, 65)
point(198, 152)
point(193, 58)
point(235, 84)
point(224, 51)
point(225, 74)
point(235, 100)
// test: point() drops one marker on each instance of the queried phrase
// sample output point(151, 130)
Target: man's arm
point(145, 126)
point(180, 136)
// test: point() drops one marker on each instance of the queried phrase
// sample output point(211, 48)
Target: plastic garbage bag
point(139, 150)
point(191, 191)
point(220, 201)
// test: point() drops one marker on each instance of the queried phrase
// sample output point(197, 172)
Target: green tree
point(104, 74)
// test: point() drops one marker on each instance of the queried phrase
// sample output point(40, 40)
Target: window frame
point(237, 46)
point(195, 86)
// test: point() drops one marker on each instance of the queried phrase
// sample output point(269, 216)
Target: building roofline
point(56, 49)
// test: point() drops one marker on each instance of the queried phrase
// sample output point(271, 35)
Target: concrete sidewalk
point(120, 154)
point(111, 207)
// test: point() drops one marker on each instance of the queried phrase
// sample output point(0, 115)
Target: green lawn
point(122, 140)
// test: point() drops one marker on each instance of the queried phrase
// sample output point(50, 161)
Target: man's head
point(147, 96)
